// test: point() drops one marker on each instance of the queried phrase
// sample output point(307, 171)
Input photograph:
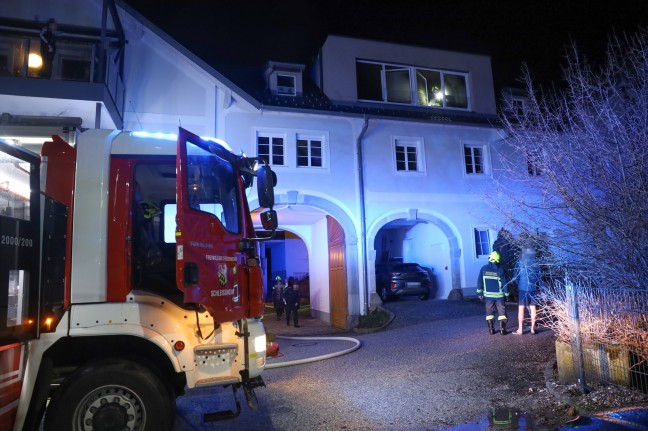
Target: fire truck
point(129, 273)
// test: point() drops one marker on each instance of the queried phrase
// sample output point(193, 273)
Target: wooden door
point(337, 274)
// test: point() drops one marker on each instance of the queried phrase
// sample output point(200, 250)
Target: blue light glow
point(218, 141)
point(174, 137)
point(156, 135)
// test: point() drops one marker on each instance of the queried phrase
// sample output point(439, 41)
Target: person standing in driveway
point(277, 297)
point(291, 299)
point(527, 274)
point(492, 287)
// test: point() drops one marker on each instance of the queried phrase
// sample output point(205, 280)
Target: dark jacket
point(291, 297)
point(492, 282)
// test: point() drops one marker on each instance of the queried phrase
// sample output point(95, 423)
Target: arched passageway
point(335, 295)
point(423, 238)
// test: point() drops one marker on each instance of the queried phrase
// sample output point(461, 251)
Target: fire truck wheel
point(111, 395)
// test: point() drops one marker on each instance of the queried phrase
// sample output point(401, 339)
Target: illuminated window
point(428, 88)
point(310, 151)
point(476, 159)
point(271, 149)
point(391, 83)
point(482, 242)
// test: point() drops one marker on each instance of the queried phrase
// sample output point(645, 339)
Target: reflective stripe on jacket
point(492, 281)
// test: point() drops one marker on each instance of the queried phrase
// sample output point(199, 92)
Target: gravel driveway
point(434, 368)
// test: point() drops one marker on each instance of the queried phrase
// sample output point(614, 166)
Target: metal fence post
point(576, 338)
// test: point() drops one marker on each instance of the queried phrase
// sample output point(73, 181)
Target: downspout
point(363, 223)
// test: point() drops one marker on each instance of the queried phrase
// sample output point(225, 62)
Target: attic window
point(284, 79)
point(410, 85)
point(285, 85)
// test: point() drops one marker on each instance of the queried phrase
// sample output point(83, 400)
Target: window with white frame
point(393, 83)
point(408, 155)
point(310, 151)
point(482, 242)
point(285, 85)
point(476, 158)
point(271, 148)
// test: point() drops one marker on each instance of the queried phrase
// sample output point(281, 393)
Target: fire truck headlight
point(260, 343)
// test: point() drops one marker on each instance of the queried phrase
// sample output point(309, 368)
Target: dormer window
point(285, 85)
point(409, 85)
point(515, 102)
point(284, 79)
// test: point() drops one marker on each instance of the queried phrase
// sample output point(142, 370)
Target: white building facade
point(382, 151)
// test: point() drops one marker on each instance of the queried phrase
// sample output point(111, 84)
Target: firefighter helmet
point(494, 257)
point(149, 209)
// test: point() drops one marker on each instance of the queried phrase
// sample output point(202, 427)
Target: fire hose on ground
point(356, 346)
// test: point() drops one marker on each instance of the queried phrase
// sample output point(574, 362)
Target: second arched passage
point(422, 237)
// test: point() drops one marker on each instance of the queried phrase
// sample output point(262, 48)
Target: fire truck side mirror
point(269, 220)
point(266, 180)
point(190, 272)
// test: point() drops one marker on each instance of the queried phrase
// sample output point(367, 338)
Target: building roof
point(248, 83)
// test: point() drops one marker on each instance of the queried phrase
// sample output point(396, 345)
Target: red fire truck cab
point(130, 273)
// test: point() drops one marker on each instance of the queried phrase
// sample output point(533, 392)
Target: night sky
point(248, 33)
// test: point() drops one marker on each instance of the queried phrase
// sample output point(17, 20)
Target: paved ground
point(309, 326)
point(434, 368)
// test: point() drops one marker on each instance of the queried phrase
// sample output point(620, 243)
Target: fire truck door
point(19, 269)
point(209, 227)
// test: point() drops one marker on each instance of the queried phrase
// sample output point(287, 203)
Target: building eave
point(222, 79)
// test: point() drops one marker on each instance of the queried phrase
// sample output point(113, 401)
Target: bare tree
point(576, 179)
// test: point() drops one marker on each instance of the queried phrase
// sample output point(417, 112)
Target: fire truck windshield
point(213, 186)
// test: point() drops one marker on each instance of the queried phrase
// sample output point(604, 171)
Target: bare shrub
point(609, 316)
point(588, 145)
point(574, 185)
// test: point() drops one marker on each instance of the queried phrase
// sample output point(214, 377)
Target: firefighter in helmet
point(492, 286)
